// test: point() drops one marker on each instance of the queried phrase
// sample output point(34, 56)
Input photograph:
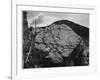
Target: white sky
point(46, 18)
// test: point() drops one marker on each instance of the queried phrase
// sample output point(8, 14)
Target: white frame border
point(38, 72)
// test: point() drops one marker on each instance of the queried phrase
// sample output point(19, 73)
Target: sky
point(47, 18)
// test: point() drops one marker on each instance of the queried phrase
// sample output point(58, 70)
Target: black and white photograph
point(54, 39)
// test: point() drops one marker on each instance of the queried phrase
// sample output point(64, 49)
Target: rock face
point(59, 44)
point(57, 37)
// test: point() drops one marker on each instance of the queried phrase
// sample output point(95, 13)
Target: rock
point(61, 43)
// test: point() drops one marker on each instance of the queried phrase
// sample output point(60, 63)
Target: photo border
point(12, 66)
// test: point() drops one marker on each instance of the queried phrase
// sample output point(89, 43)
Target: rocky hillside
point(63, 43)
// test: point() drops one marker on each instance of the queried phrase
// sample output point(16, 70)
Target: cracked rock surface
point(58, 37)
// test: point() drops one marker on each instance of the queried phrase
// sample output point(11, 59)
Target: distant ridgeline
point(82, 31)
point(62, 43)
